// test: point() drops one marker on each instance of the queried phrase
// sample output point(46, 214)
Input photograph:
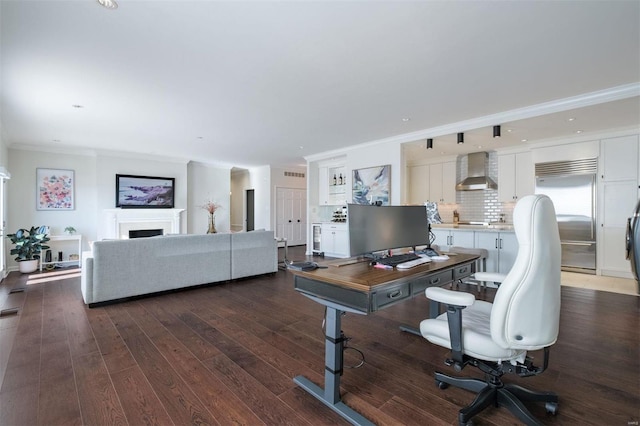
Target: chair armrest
point(456, 301)
point(494, 277)
point(455, 298)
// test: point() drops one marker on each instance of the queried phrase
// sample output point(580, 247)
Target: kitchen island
point(498, 239)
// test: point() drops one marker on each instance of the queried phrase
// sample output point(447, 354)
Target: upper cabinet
point(332, 181)
point(515, 176)
point(432, 182)
point(619, 158)
point(418, 184)
point(442, 182)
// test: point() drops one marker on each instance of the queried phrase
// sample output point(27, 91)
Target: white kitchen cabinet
point(335, 239)
point(516, 177)
point(418, 184)
point(442, 182)
point(332, 185)
point(619, 158)
point(447, 238)
point(619, 190)
point(502, 249)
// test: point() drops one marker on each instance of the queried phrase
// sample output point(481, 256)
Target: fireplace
point(118, 223)
point(144, 233)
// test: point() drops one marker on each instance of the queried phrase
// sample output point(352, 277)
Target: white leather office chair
point(524, 316)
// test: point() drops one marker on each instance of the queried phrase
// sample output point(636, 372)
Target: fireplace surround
point(119, 222)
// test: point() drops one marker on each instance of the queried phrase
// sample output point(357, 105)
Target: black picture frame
point(145, 192)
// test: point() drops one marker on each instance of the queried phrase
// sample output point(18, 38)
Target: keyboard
point(413, 263)
point(397, 259)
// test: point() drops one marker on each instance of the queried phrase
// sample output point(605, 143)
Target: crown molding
point(580, 101)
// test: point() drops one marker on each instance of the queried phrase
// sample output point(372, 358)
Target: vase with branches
point(211, 207)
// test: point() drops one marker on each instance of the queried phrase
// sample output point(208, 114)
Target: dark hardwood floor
point(226, 354)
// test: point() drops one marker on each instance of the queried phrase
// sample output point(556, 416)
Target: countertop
point(494, 227)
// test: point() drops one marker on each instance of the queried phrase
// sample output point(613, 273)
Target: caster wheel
point(441, 385)
point(551, 407)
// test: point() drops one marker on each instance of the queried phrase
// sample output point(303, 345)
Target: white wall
point(240, 182)
point(260, 182)
point(208, 183)
point(104, 185)
point(21, 193)
point(95, 190)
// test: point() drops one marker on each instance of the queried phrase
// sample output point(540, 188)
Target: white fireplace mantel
point(118, 222)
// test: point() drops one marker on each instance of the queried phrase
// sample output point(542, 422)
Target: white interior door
point(291, 215)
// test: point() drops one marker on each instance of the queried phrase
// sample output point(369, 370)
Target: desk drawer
point(462, 271)
point(436, 280)
point(389, 295)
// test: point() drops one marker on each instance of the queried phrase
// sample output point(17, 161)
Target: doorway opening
point(249, 210)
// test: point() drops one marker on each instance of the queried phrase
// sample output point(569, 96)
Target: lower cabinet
point(335, 240)
point(502, 248)
point(447, 238)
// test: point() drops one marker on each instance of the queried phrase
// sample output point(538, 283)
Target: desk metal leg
point(330, 395)
point(434, 311)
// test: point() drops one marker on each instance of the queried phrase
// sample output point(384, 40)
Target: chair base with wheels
point(493, 392)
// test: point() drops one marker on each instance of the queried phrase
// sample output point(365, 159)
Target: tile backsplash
point(480, 206)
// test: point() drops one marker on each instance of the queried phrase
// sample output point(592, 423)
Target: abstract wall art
point(372, 185)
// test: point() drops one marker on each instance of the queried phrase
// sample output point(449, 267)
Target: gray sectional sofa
point(117, 269)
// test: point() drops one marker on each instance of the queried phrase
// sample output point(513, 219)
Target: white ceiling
point(254, 83)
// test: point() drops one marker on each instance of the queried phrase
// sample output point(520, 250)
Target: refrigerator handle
point(593, 208)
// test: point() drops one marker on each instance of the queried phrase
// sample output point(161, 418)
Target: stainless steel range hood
point(477, 176)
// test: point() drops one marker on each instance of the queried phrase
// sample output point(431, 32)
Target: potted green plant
point(28, 246)
point(69, 230)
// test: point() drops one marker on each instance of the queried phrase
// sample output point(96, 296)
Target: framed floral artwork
point(55, 189)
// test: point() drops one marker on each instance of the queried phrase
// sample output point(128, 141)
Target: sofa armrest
point(86, 278)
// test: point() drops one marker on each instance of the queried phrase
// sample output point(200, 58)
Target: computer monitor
point(378, 228)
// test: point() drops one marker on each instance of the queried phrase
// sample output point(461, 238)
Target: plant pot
point(28, 266)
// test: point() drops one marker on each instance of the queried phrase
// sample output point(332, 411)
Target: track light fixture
point(496, 131)
point(460, 138)
point(429, 143)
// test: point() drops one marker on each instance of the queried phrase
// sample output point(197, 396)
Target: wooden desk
point(362, 289)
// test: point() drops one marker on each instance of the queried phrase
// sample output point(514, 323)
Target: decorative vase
point(28, 266)
point(212, 225)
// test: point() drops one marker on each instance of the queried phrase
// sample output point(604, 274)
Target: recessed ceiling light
point(509, 130)
point(301, 147)
point(56, 140)
point(578, 131)
point(199, 137)
point(406, 119)
point(571, 119)
point(479, 146)
point(77, 106)
point(109, 4)
point(523, 140)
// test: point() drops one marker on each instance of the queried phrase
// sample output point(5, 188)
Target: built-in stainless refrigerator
point(571, 185)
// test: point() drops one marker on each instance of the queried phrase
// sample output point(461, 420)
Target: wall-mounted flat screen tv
point(139, 192)
point(377, 228)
